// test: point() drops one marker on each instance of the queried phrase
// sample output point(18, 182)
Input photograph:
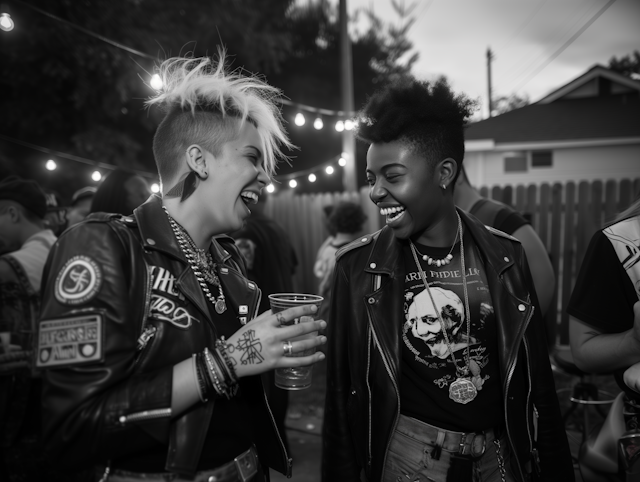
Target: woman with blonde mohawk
point(149, 341)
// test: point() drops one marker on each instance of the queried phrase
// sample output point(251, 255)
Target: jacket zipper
point(369, 393)
point(150, 331)
point(506, 391)
point(395, 385)
point(145, 415)
point(534, 419)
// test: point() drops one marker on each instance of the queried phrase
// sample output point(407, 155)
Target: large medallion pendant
point(462, 391)
point(220, 306)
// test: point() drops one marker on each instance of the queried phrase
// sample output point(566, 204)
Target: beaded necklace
point(440, 262)
point(201, 263)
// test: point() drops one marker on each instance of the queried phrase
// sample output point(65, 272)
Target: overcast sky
point(452, 37)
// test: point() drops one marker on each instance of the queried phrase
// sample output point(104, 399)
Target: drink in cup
point(296, 378)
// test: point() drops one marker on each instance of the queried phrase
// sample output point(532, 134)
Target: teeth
point(249, 197)
point(392, 210)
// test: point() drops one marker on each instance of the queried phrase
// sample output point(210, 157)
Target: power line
point(566, 44)
point(329, 112)
point(576, 19)
point(88, 32)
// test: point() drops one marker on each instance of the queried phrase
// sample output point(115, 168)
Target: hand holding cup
point(261, 345)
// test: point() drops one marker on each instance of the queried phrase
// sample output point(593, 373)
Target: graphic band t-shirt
point(427, 366)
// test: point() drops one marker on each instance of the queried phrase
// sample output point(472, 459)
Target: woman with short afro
point(437, 362)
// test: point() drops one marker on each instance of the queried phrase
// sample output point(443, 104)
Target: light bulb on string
point(329, 170)
point(6, 23)
point(318, 124)
point(299, 120)
point(96, 176)
point(312, 178)
point(293, 183)
point(155, 187)
point(340, 126)
point(51, 165)
point(342, 161)
point(156, 82)
point(348, 125)
point(271, 188)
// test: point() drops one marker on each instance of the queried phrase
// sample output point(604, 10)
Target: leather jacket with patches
point(121, 306)
point(364, 359)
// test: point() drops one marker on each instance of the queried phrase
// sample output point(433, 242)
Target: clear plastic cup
point(297, 378)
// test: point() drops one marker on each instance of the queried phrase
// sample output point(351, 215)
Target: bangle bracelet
point(198, 376)
point(212, 373)
point(203, 373)
point(222, 349)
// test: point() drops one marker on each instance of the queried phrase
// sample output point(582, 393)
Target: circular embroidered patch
point(78, 281)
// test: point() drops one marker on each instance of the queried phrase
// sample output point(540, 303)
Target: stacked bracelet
point(202, 386)
point(221, 349)
point(215, 377)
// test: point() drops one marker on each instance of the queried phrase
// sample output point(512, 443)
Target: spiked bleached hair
point(207, 105)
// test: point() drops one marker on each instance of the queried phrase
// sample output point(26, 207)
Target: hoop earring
point(203, 176)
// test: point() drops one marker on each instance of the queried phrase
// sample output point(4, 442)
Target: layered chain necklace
point(462, 390)
point(201, 263)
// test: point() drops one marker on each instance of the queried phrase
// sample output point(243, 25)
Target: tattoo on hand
point(251, 348)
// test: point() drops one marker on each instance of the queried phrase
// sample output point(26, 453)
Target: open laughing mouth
point(393, 213)
point(249, 198)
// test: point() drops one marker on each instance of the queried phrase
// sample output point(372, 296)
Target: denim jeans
point(409, 458)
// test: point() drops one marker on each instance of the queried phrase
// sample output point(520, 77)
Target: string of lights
point(291, 179)
point(344, 122)
point(7, 24)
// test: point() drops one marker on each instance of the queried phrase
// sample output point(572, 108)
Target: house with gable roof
point(588, 129)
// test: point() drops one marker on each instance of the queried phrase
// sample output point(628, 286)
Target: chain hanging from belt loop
point(503, 471)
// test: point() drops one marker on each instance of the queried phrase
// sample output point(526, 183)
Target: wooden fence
point(565, 217)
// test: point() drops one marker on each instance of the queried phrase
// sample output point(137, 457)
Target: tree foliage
point(75, 93)
point(627, 65)
point(505, 103)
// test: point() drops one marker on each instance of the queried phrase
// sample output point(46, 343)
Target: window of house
point(515, 163)
point(541, 158)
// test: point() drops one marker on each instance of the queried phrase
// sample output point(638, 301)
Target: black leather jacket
point(363, 399)
point(152, 314)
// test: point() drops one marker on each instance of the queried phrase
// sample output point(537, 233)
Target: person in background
point(345, 222)
point(271, 262)
point(121, 192)
point(25, 242)
point(604, 309)
point(150, 342)
point(437, 366)
point(80, 206)
point(506, 219)
point(326, 213)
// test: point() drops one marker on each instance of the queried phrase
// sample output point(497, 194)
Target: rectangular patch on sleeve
point(70, 341)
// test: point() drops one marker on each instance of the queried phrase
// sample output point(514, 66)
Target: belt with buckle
point(242, 468)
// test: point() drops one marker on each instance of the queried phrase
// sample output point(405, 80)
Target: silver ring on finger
point(288, 348)
point(280, 318)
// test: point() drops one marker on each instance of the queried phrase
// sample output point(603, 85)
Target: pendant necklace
point(201, 262)
point(462, 390)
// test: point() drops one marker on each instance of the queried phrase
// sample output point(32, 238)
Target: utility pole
point(349, 180)
point(489, 59)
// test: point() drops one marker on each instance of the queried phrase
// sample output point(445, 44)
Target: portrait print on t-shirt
point(429, 369)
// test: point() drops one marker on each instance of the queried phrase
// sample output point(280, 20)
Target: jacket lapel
point(157, 235)
point(509, 294)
